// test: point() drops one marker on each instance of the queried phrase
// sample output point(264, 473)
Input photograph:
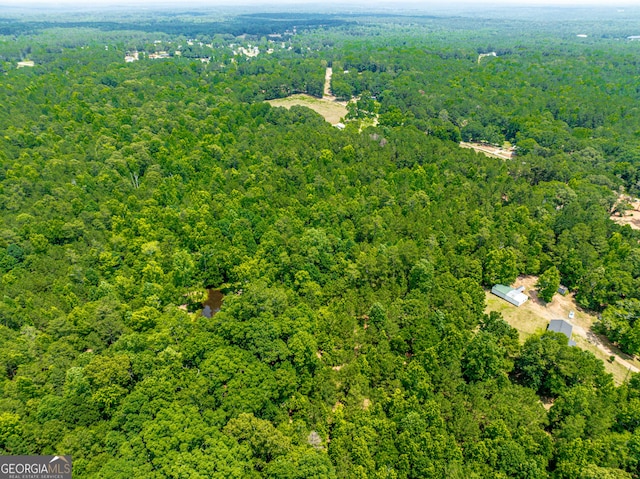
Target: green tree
point(484, 359)
point(421, 276)
point(548, 284)
point(620, 323)
point(10, 429)
point(265, 441)
point(500, 266)
point(548, 365)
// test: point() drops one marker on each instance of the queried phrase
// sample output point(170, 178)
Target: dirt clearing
point(631, 217)
point(534, 316)
point(489, 150)
point(332, 111)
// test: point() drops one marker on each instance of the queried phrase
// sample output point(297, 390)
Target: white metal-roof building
point(513, 296)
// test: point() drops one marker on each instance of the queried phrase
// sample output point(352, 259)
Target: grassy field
point(332, 111)
point(534, 316)
point(522, 318)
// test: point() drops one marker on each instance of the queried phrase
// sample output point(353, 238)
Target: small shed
point(563, 290)
point(513, 296)
point(562, 326)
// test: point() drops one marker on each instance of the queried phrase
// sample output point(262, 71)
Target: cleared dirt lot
point(489, 150)
point(632, 216)
point(534, 316)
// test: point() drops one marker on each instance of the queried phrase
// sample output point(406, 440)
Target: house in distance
point(513, 296)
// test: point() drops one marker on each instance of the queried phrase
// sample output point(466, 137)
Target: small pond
point(213, 303)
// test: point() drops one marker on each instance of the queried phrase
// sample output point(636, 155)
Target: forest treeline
point(237, 25)
point(353, 339)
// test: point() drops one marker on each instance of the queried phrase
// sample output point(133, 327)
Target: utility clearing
point(533, 317)
point(332, 110)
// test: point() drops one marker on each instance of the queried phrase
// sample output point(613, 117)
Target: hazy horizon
point(413, 4)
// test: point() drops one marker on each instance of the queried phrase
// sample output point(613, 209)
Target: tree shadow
point(533, 296)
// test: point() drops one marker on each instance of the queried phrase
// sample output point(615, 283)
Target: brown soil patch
point(490, 150)
point(327, 85)
point(632, 216)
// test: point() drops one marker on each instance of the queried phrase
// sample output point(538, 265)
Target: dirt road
point(327, 85)
point(597, 342)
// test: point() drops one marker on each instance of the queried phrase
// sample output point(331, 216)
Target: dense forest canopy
point(353, 339)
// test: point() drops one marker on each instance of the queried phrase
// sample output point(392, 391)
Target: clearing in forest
point(490, 150)
point(534, 316)
point(332, 111)
point(630, 217)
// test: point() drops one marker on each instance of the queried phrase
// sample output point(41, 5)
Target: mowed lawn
point(523, 318)
point(332, 111)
